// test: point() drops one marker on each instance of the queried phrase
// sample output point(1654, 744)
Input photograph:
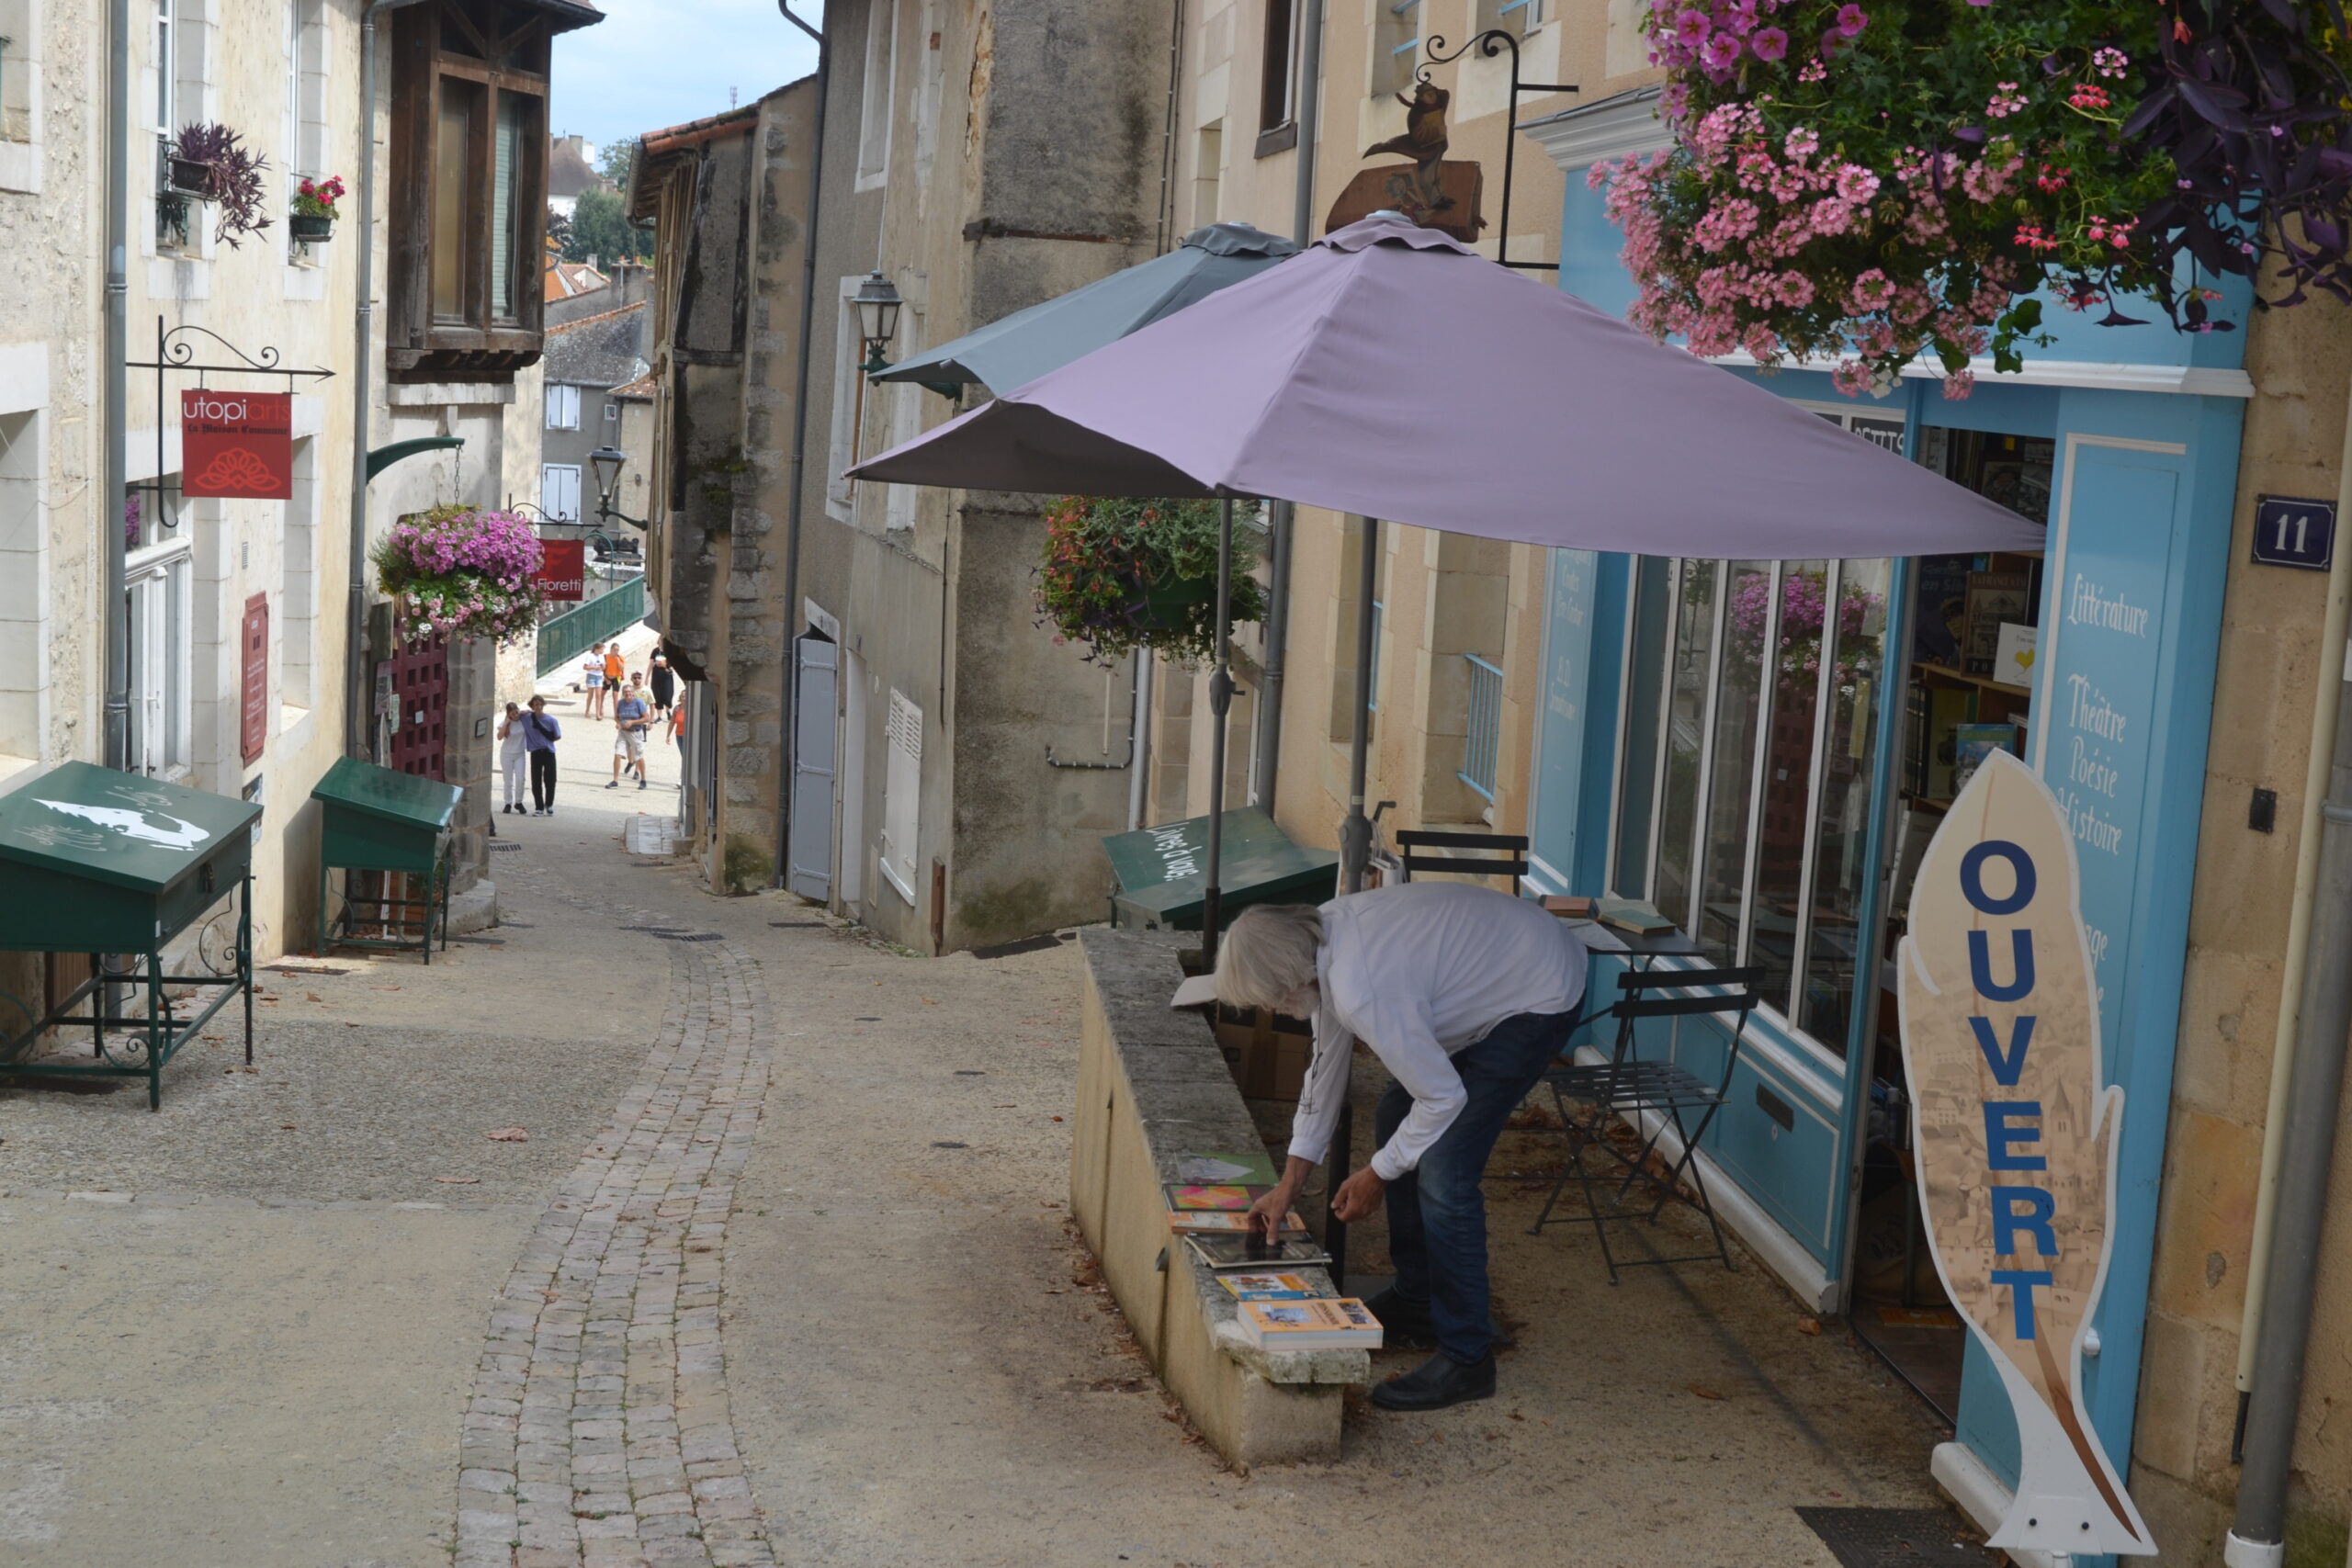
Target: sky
point(653, 64)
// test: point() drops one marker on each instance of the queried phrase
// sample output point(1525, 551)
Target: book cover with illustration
point(1183, 1198)
point(1224, 1168)
point(1220, 1221)
point(1271, 1287)
point(1331, 1324)
point(1218, 1253)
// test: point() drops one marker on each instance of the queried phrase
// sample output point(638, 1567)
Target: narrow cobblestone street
point(783, 1274)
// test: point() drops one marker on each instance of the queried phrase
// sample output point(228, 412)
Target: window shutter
point(901, 796)
point(506, 157)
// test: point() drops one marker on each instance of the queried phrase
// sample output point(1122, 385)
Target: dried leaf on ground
point(458, 1181)
point(1704, 1391)
point(508, 1135)
point(1809, 1325)
point(312, 997)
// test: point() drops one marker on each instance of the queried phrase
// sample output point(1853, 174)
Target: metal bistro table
point(105, 862)
point(379, 819)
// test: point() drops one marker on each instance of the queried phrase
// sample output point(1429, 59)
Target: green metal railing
point(566, 637)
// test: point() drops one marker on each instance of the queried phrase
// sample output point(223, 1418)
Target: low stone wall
point(1152, 1087)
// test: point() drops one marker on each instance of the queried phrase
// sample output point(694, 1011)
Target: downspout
point(787, 740)
point(1281, 516)
point(116, 716)
point(2307, 1085)
point(2336, 625)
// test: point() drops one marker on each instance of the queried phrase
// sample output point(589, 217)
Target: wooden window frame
point(470, 347)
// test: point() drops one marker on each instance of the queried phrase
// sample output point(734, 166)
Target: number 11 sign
point(2288, 532)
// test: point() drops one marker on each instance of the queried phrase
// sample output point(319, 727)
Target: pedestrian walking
point(513, 752)
point(1466, 996)
point(678, 737)
point(633, 716)
point(592, 680)
point(614, 666)
point(665, 685)
point(539, 735)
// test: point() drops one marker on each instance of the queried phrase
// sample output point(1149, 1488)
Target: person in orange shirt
point(614, 667)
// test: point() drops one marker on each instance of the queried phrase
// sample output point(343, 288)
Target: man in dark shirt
point(539, 735)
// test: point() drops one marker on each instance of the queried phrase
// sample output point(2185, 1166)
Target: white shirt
point(515, 743)
point(1419, 972)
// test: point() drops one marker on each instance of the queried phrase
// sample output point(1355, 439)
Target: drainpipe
point(2307, 1084)
point(788, 748)
point(116, 718)
point(1140, 740)
point(1281, 516)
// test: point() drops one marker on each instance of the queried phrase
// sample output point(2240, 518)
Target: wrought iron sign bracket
point(1490, 44)
point(174, 350)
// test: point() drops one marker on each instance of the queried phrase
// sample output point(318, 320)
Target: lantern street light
point(878, 305)
point(606, 461)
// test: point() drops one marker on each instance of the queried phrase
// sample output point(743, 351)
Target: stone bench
point(1152, 1087)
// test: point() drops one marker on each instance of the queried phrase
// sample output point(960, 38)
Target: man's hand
point(1358, 1196)
point(1267, 1214)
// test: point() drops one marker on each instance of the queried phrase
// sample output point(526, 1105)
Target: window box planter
point(189, 179)
point(310, 231)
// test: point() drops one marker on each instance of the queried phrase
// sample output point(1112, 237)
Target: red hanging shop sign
point(237, 445)
point(563, 568)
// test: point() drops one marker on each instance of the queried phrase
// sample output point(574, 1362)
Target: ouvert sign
point(2015, 1130)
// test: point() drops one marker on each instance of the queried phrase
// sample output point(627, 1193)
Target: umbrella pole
point(1355, 834)
point(1220, 702)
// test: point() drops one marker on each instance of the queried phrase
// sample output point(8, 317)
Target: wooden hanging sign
point(2015, 1130)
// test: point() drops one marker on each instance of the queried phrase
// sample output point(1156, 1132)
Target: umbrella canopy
point(1394, 373)
point(1026, 345)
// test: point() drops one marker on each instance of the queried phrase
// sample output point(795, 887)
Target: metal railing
point(566, 637)
point(1482, 740)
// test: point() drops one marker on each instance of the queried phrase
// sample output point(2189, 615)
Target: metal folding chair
point(1662, 1094)
point(1489, 854)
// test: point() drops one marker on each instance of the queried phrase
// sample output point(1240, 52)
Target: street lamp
point(606, 461)
point(877, 320)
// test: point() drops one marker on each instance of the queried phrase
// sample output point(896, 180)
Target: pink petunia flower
point(1770, 43)
point(1692, 28)
point(1852, 21)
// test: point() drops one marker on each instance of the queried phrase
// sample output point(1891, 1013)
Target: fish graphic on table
point(2016, 1131)
point(141, 826)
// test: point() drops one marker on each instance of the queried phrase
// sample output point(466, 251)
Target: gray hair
point(1268, 953)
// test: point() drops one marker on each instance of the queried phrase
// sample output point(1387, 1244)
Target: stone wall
point(1152, 1087)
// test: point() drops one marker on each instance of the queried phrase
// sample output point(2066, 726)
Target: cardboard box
point(1267, 1059)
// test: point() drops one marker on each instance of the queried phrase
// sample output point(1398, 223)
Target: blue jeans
point(1437, 1213)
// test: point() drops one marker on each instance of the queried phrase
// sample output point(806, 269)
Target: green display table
point(116, 865)
point(377, 819)
point(1161, 870)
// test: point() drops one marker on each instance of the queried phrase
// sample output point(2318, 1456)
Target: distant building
point(572, 174)
point(587, 361)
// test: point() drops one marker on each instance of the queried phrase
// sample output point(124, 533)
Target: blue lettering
point(2006, 1065)
point(1980, 966)
point(1972, 877)
point(2021, 1283)
point(1999, 1134)
point(2033, 1219)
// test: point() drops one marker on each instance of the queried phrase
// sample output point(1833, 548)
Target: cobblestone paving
point(599, 1434)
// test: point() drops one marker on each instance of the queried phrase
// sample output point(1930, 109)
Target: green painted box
point(1163, 871)
point(377, 820)
point(96, 860)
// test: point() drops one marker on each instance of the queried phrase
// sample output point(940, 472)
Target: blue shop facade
point(1761, 749)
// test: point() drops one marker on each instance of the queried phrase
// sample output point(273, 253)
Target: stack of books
point(1330, 1324)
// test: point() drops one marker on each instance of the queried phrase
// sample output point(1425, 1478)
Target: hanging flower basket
point(190, 179)
point(1120, 575)
point(1858, 183)
point(211, 163)
point(458, 572)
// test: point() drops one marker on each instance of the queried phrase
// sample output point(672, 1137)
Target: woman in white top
point(512, 757)
point(591, 676)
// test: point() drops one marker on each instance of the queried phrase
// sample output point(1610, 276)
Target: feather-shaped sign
point(2015, 1133)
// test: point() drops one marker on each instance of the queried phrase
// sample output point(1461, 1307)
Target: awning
point(1161, 870)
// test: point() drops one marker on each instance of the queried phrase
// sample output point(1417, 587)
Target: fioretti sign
point(2016, 1134)
point(237, 445)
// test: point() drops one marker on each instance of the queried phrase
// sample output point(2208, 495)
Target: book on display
point(1272, 1287)
point(1252, 1167)
point(1190, 1198)
point(1634, 915)
point(1215, 1222)
point(1218, 1253)
point(1332, 1323)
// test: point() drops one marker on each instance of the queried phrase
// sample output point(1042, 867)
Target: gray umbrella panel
point(1016, 350)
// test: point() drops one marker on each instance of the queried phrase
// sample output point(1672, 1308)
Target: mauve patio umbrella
point(1390, 372)
point(1020, 347)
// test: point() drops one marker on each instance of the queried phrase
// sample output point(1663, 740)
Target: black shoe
point(1404, 1323)
point(1437, 1382)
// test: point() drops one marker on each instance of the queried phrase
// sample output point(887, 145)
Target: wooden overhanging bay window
point(467, 204)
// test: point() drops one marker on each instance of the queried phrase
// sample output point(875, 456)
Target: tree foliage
point(600, 228)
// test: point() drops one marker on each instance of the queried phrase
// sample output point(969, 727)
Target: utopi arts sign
point(237, 445)
point(2016, 1130)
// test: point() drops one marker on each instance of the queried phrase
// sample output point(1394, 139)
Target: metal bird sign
point(2016, 1134)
